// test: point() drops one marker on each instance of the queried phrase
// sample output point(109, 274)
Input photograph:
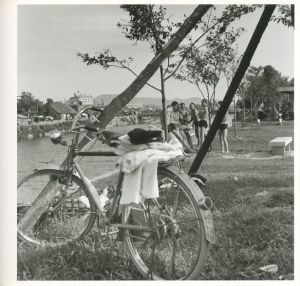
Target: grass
point(253, 216)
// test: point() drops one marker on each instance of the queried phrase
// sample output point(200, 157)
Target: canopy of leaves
point(105, 59)
point(261, 84)
point(147, 23)
point(210, 28)
point(206, 65)
point(284, 15)
point(26, 102)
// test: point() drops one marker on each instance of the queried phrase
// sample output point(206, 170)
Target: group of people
point(181, 120)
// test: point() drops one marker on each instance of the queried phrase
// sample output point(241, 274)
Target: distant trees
point(28, 105)
point(260, 84)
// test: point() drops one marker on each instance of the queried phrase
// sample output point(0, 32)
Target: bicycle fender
point(199, 196)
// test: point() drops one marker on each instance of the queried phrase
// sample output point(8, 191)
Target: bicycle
point(166, 238)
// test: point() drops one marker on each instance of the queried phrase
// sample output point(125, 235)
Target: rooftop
point(63, 108)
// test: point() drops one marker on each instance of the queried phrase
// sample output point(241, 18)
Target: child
point(260, 113)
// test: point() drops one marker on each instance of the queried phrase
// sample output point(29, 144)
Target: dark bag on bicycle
point(142, 136)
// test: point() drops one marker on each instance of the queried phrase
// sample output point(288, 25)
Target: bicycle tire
point(189, 264)
point(68, 219)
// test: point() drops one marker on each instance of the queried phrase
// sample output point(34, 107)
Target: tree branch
point(130, 92)
point(190, 48)
point(129, 69)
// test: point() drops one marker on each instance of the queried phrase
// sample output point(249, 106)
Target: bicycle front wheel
point(69, 215)
point(176, 248)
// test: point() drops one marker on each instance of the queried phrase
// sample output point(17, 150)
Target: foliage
point(148, 23)
point(233, 12)
point(29, 105)
point(284, 15)
point(26, 102)
point(261, 84)
point(205, 66)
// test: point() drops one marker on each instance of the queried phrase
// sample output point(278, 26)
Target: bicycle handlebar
point(77, 117)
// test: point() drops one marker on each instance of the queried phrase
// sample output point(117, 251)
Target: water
point(43, 154)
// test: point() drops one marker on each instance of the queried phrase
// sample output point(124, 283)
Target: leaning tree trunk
point(131, 91)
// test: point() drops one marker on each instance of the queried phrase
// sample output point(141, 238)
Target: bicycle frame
point(72, 164)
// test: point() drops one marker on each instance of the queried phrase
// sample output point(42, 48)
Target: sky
point(48, 38)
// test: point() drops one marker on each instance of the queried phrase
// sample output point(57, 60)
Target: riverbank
point(37, 131)
point(34, 131)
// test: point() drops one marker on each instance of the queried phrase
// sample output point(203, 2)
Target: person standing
point(222, 131)
point(184, 121)
point(260, 113)
point(196, 121)
point(203, 120)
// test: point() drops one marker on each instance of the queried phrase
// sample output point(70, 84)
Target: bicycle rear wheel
point(70, 215)
point(177, 247)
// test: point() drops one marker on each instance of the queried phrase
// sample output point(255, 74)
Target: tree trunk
point(131, 91)
point(163, 101)
point(243, 66)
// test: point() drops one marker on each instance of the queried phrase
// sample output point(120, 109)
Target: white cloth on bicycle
point(139, 165)
point(140, 184)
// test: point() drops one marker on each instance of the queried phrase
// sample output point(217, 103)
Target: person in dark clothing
point(222, 131)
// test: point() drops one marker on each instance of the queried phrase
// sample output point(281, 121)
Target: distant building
point(64, 110)
point(86, 99)
point(286, 102)
point(80, 99)
point(287, 94)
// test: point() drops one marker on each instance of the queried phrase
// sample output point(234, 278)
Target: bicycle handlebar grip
point(91, 128)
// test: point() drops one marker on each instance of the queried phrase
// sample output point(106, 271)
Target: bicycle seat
point(111, 136)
